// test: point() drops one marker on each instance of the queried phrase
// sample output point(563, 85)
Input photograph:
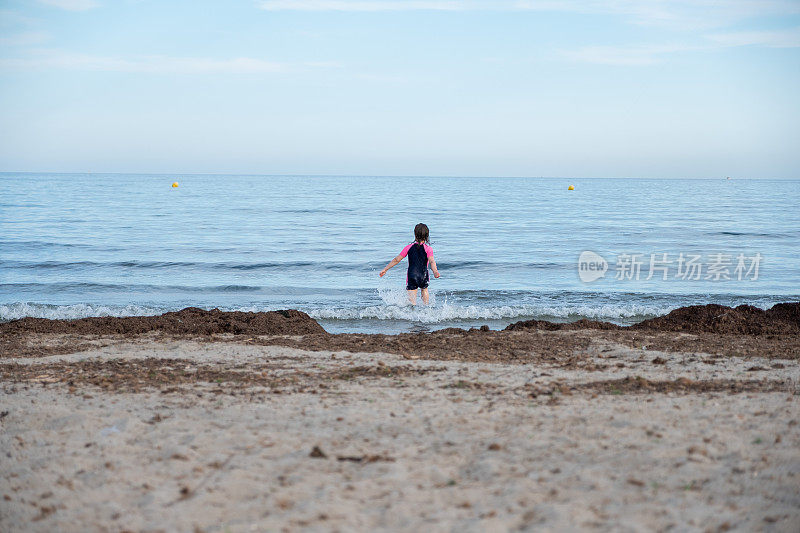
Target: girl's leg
point(425, 296)
point(412, 297)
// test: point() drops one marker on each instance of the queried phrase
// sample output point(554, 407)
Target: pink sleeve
point(428, 251)
point(404, 251)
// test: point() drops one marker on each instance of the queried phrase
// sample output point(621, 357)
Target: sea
point(508, 249)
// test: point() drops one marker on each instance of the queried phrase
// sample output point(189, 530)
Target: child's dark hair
point(421, 233)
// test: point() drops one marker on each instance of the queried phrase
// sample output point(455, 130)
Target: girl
point(419, 255)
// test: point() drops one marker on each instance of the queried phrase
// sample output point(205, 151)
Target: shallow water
point(507, 248)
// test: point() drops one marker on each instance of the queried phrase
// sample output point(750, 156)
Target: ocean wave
point(15, 245)
point(432, 314)
point(453, 264)
point(451, 312)
point(156, 265)
point(446, 308)
point(748, 234)
point(72, 265)
point(258, 266)
point(122, 287)
point(395, 306)
point(18, 310)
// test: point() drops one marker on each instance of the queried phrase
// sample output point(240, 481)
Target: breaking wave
point(396, 306)
point(453, 312)
point(392, 305)
point(17, 310)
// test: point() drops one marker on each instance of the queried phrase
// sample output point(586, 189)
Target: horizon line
point(326, 175)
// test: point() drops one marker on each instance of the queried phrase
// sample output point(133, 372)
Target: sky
point(573, 88)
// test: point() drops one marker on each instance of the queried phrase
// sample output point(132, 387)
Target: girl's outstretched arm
point(392, 263)
point(433, 266)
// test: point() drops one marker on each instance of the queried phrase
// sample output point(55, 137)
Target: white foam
point(17, 310)
point(399, 297)
point(395, 306)
point(447, 312)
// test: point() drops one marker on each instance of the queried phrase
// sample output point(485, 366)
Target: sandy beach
point(211, 421)
point(439, 266)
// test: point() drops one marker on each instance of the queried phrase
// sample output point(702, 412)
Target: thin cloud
point(631, 56)
point(789, 38)
point(50, 60)
point(636, 56)
point(676, 14)
point(363, 5)
point(14, 21)
point(71, 5)
point(25, 38)
point(382, 78)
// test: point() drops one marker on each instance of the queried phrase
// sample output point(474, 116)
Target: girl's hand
point(436, 274)
point(383, 273)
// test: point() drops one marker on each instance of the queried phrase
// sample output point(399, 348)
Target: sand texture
point(534, 428)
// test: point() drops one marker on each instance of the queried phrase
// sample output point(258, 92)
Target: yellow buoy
point(175, 184)
point(570, 188)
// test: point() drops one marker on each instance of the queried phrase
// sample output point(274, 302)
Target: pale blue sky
point(490, 88)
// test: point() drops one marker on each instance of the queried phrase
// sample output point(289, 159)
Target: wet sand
point(240, 423)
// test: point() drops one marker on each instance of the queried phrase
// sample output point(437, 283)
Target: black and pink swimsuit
point(418, 256)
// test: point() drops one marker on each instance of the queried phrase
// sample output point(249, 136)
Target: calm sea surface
point(113, 244)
